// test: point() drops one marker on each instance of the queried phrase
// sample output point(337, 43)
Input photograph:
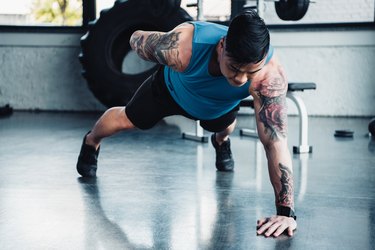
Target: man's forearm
point(281, 175)
point(286, 194)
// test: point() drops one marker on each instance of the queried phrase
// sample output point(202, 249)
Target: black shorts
point(152, 102)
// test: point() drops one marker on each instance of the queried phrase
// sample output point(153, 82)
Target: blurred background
point(333, 45)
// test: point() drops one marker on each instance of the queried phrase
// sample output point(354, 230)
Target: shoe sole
point(86, 170)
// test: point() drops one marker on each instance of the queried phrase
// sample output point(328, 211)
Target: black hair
point(248, 39)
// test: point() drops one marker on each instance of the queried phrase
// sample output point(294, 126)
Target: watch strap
point(286, 211)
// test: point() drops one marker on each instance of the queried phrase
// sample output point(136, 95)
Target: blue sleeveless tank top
point(200, 94)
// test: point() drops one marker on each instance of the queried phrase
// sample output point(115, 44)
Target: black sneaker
point(87, 160)
point(224, 159)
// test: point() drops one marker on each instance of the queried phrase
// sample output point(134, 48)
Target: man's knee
point(121, 117)
point(217, 126)
point(140, 120)
point(212, 127)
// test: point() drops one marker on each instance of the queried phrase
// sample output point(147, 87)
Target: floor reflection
point(371, 145)
point(302, 176)
point(100, 232)
point(218, 219)
point(224, 227)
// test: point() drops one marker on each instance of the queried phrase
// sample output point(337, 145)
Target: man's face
point(238, 74)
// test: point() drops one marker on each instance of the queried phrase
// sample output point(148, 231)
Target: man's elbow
point(136, 36)
point(275, 145)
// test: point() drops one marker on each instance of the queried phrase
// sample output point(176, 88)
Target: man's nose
point(241, 78)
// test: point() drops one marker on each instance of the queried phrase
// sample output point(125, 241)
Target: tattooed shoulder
point(165, 49)
point(272, 85)
point(158, 47)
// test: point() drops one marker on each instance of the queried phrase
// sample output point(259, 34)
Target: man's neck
point(213, 66)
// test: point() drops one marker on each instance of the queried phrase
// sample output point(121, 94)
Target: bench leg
point(198, 136)
point(249, 132)
point(303, 125)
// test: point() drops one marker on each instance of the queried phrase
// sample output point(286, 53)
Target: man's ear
point(221, 45)
point(222, 42)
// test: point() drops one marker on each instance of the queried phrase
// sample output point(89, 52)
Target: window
point(328, 12)
point(103, 4)
point(212, 10)
point(70, 12)
point(41, 13)
point(319, 11)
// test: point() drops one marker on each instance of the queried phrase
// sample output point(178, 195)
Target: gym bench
point(302, 112)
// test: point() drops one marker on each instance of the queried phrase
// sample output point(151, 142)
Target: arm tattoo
point(273, 113)
point(159, 47)
point(286, 193)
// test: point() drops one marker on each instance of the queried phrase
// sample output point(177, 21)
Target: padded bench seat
point(293, 86)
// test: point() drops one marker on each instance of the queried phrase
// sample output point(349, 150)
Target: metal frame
point(303, 146)
point(198, 135)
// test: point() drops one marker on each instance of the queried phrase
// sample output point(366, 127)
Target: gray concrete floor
point(157, 191)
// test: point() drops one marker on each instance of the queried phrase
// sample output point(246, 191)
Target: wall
point(341, 63)
point(42, 71)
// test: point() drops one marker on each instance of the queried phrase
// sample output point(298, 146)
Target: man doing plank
point(206, 69)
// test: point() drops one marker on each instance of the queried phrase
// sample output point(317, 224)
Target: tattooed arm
point(167, 48)
point(271, 115)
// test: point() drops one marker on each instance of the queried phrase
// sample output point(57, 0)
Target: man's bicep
point(270, 109)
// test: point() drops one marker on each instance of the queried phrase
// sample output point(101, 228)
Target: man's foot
point(87, 160)
point(224, 159)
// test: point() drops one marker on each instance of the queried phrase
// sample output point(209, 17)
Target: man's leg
point(112, 121)
point(224, 135)
point(221, 142)
point(222, 127)
point(149, 105)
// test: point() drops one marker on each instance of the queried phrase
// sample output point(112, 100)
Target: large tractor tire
point(112, 70)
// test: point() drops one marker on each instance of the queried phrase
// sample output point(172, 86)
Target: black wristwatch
point(286, 211)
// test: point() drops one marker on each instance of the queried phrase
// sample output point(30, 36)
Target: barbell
point(287, 10)
point(291, 10)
